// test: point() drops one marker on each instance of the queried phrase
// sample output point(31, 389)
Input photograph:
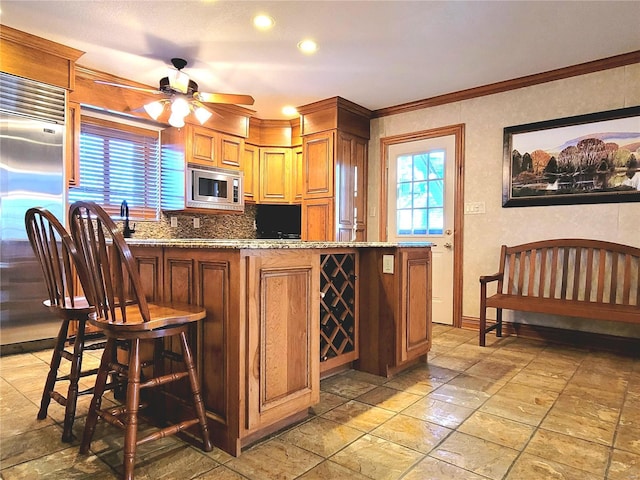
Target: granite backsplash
point(223, 226)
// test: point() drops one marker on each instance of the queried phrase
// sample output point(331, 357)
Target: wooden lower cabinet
point(283, 336)
point(395, 312)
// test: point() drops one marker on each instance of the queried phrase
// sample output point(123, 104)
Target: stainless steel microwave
point(214, 188)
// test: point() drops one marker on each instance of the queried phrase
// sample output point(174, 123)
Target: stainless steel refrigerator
point(31, 174)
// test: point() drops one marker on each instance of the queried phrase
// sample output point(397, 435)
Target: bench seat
point(581, 278)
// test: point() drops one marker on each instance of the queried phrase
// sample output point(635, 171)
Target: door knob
point(448, 245)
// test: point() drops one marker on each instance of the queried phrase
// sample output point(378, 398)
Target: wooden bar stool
point(114, 287)
point(58, 258)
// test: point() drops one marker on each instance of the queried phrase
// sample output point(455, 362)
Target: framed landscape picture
point(592, 158)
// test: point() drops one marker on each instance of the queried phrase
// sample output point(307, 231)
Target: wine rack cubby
point(338, 317)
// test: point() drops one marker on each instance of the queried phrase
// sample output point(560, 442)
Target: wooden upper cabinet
point(72, 145)
point(207, 147)
point(297, 174)
point(318, 220)
point(351, 161)
point(36, 58)
point(231, 151)
point(250, 167)
point(318, 166)
point(201, 145)
point(275, 175)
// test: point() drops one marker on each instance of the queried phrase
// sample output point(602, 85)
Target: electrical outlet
point(196, 222)
point(387, 263)
point(174, 221)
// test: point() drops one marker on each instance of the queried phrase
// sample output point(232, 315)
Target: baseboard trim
point(575, 338)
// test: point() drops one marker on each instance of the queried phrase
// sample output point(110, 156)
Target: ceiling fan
point(183, 95)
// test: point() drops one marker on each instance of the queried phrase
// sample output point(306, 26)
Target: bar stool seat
point(57, 255)
point(122, 311)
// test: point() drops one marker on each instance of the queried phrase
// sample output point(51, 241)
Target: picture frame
point(592, 158)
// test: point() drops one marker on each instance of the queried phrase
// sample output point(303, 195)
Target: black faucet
point(124, 213)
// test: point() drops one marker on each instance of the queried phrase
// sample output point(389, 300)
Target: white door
point(420, 206)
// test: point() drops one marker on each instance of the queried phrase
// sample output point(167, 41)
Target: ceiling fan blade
point(224, 98)
point(119, 85)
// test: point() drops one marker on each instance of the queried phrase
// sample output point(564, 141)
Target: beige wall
point(484, 120)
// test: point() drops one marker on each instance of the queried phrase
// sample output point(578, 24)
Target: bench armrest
point(484, 279)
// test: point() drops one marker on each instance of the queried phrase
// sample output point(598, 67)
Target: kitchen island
point(282, 314)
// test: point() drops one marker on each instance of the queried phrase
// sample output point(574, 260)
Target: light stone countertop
point(263, 244)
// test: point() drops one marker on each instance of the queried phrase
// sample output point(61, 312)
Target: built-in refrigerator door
point(31, 174)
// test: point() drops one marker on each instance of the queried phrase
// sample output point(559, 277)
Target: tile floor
point(515, 410)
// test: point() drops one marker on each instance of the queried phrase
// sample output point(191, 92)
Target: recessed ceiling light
point(308, 46)
point(289, 110)
point(263, 22)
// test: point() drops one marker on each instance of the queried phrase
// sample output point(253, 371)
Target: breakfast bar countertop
point(240, 244)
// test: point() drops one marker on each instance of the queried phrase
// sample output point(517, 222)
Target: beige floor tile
point(570, 451)
point(628, 436)
point(594, 394)
point(366, 377)
point(412, 432)
point(502, 431)
point(413, 383)
point(477, 455)
point(519, 410)
point(389, 398)
point(535, 468)
point(220, 473)
point(459, 396)
point(587, 407)
point(274, 459)
point(609, 381)
point(31, 445)
point(321, 436)
point(540, 381)
point(431, 469)
point(624, 466)
point(21, 418)
point(557, 370)
point(64, 464)
point(481, 384)
point(345, 386)
point(328, 401)
point(580, 426)
point(359, 415)
point(329, 470)
point(377, 458)
point(496, 370)
point(452, 362)
point(441, 413)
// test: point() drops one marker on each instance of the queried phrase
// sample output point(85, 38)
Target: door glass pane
point(420, 193)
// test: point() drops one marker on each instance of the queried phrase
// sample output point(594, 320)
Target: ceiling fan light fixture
point(180, 107)
point(154, 109)
point(202, 114)
point(176, 120)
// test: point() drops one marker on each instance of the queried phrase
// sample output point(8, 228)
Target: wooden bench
point(573, 277)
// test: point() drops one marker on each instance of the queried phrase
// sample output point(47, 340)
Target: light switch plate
point(174, 221)
point(387, 263)
point(196, 222)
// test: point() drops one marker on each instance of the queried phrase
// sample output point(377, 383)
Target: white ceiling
point(375, 53)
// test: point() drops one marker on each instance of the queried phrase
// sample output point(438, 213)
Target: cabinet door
point(297, 175)
point(201, 146)
point(360, 147)
point(275, 175)
point(317, 220)
point(318, 165)
point(72, 147)
point(231, 151)
point(250, 167)
point(414, 322)
point(278, 330)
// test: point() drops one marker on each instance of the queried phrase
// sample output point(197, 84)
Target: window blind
point(119, 162)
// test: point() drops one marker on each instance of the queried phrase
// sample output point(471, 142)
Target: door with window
point(420, 207)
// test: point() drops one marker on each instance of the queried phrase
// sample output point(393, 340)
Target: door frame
point(458, 210)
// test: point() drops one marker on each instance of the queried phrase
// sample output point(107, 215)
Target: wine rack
point(338, 328)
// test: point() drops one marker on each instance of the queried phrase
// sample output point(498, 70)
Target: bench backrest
point(572, 269)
